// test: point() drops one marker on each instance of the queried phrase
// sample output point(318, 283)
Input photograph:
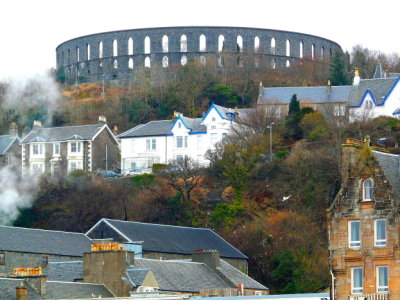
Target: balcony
point(380, 296)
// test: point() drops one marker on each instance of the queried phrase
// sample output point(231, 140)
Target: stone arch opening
point(147, 47)
point(256, 44)
point(130, 63)
point(312, 51)
point(147, 62)
point(239, 62)
point(221, 43)
point(115, 64)
point(78, 56)
point(273, 46)
point(273, 64)
point(165, 62)
point(115, 48)
point(130, 46)
point(202, 43)
point(100, 49)
point(322, 52)
point(287, 47)
point(183, 60)
point(203, 60)
point(287, 63)
point(183, 43)
point(256, 62)
point(164, 44)
point(87, 51)
point(301, 49)
point(239, 43)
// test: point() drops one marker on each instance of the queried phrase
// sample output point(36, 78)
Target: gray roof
point(379, 88)
point(61, 134)
point(137, 276)
point(43, 241)
point(163, 127)
point(173, 239)
point(315, 94)
point(6, 141)
point(54, 290)
point(394, 75)
point(64, 271)
point(390, 164)
point(379, 73)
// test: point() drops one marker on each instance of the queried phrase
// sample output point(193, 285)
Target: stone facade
point(12, 157)
point(352, 253)
point(82, 61)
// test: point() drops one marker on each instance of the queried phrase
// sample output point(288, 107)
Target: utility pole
point(270, 140)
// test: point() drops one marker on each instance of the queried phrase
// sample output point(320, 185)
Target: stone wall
point(98, 148)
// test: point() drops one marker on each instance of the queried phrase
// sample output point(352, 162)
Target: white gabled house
point(175, 139)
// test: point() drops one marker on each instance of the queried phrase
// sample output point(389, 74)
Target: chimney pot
point(21, 292)
point(37, 124)
point(357, 78)
point(13, 129)
point(102, 119)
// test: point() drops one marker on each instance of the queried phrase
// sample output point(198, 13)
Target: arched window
point(183, 43)
point(368, 190)
point(202, 43)
point(301, 50)
point(239, 44)
point(287, 63)
point(322, 52)
point(100, 49)
point(165, 62)
point(147, 45)
point(130, 46)
point(256, 44)
point(78, 56)
point(183, 60)
point(164, 44)
point(203, 60)
point(130, 63)
point(147, 62)
point(273, 46)
point(221, 43)
point(115, 48)
point(115, 64)
point(87, 51)
point(287, 48)
point(312, 51)
point(273, 63)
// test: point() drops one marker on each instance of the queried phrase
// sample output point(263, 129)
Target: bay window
point(74, 165)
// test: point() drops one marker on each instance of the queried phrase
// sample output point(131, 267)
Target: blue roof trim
point(391, 90)
point(199, 132)
point(183, 122)
point(396, 112)
point(368, 91)
point(209, 110)
point(139, 136)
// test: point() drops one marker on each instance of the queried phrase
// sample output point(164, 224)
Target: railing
point(370, 297)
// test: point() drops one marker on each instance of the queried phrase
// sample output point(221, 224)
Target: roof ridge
point(202, 228)
point(174, 261)
point(98, 124)
point(47, 230)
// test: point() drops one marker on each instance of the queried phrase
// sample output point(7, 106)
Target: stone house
point(59, 150)
point(10, 151)
point(25, 247)
point(167, 241)
point(364, 225)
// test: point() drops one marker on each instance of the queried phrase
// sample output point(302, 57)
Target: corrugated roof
point(379, 88)
point(59, 134)
point(43, 241)
point(173, 239)
point(315, 94)
point(6, 142)
point(390, 164)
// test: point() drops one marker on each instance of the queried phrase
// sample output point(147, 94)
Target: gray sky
point(31, 30)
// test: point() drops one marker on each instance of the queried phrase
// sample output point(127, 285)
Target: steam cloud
point(22, 94)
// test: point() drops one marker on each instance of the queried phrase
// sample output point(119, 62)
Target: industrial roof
point(6, 142)
point(29, 240)
point(170, 239)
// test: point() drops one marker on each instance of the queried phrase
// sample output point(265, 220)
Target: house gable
point(104, 230)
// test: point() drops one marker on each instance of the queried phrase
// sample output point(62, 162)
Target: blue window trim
point(199, 132)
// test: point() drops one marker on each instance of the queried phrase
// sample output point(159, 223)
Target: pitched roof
point(61, 134)
point(390, 164)
point(236, 277)
point(315, 94)
point(394, 75)
point(379, 73)
point(379, 88)
point(137, 276)
point(64, 271)
point(43, 241)
point(6, 142)
point(54, 290)
point(172, 239)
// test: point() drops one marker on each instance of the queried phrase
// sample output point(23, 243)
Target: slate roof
point(54, 290)
point(6, 141)
point(43, 241)
point(390, 164)
point(137, 276)
point(379, 88)
point(236, 277)
point(396, 75)
point(173, 239)
point(61, 134)
point(315, 94)
point(64, 271)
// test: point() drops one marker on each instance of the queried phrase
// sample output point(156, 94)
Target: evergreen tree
point(293, 128)
point(339, 74)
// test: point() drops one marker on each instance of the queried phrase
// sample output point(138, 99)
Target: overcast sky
point(31, 30)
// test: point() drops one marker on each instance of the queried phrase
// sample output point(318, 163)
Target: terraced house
point(10, 151)
point(59, 150)
point(364, 225)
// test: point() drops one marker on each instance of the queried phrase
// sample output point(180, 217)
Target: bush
point(157, 168)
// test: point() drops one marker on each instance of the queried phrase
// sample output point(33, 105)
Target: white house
point(180, 137)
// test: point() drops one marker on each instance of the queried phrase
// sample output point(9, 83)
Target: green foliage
point(339, 73)
point(222, 95)
point(293, 129)
point(225, 216)
point(60, 75)
point(284, 274)
point(157, 168)
point(320, 132)
point(307, 110)
point(143, 180)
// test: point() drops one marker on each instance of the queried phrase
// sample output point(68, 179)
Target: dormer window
point(179, 124)
point(213, 119)
point(368, 191)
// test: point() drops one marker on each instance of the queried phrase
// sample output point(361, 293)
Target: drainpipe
point(333, 286)
point(330, 266)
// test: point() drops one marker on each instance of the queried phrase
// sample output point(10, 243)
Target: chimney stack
point(115, 130)
point(102, 120)
point(13, 129)
point(21, 292)
point(32, 276)
point(209, 257)
point(37, 124)
point(356, 80)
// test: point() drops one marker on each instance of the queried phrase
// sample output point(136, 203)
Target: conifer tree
point(339, 74)
point(293, 129)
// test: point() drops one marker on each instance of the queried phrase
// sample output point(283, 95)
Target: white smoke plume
point(22, 94)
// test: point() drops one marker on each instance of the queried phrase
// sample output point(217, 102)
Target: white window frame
point(363, 190)
point(382, 242)
point(151, 144)
point(79, 165)
point(34, 170)
point(382, 289)
point(79, 146)
point(357, 290)
point(54, 149)
point(184, 141)
point(41, 148)
point(352, 244)
point(214, 140)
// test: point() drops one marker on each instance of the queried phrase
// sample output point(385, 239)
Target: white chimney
point(356, 80)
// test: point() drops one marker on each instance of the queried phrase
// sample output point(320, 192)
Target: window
point(322, 52)
point(301, 52)
point(147, 62)
point(203, 60)
point(37, 149)
point(183, 60)
point(224, 136)
point(273, 44)
point(213, 127)
point(181, 142)
point(239, 44)
point(130, 46)
point(380, 232)
point(180, 158)
point(214, 137)
point(164, 44)
point(221, 43)
point(183, 43)
point(75, 147)
point(273, 63)
point(115, 64)
point(115, 48)
point(287, 64)
point(77, 55)
point(367, 190)
point(199, 141)
point(312, 51)
point(56, 149)
point(147, 45)
point(2, 258)
point(256, 44)
point(202, 43)
point(151, 144)
point(45, 260)
point(382, 279)
point(356, 280)
point(354, 234)
point(37, 168)
point(287, 48)
point(339, 110)
point(74, 165)
point(130, 63)
point(100, 49)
